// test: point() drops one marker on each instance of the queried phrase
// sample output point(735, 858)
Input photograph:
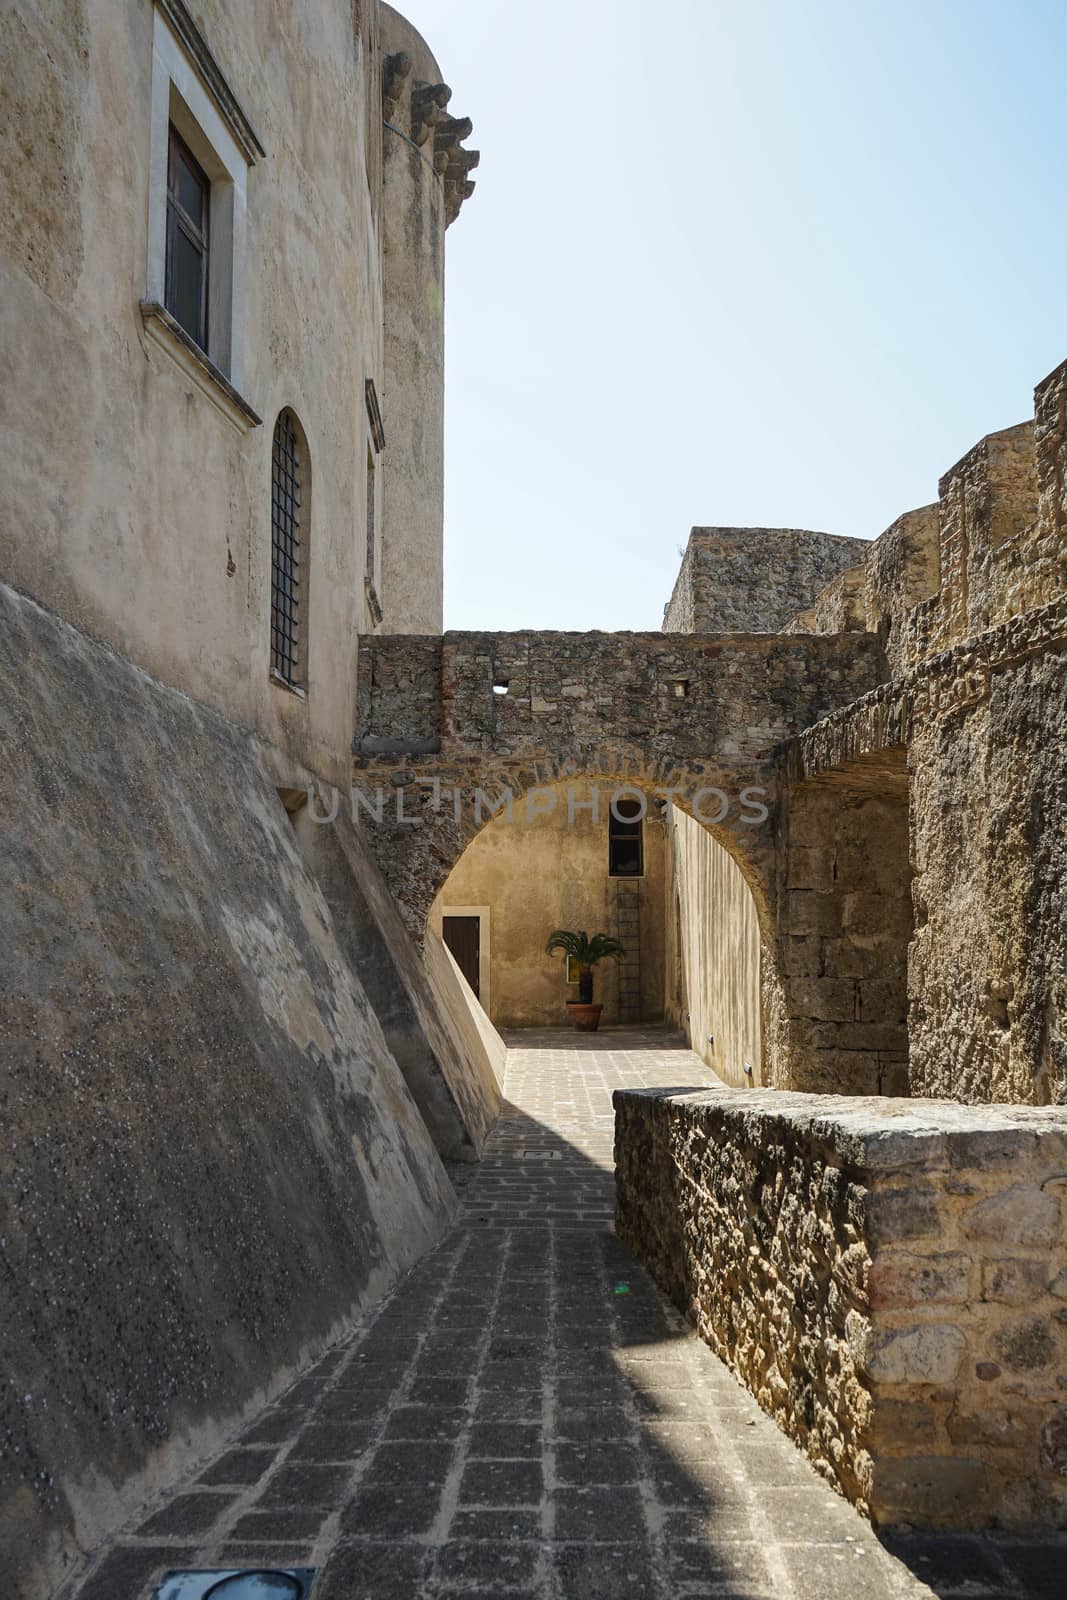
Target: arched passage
point(603, 853)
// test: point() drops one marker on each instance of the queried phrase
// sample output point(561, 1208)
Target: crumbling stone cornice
point(427, 114)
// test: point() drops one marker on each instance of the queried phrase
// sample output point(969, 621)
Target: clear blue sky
point(733, 262)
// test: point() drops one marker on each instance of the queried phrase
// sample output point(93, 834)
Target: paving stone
point(131, 1573)
point(496, 1525)
point(499, 1441)
point(611, 1514)
point(331, 1441)
point(418, 1465)
point(365, 1571)
point(597, 1463)
point(381, 1510)
point(307, 1483)
point(501, 1483)
point(466, 1562)
point(239, 1466)
point(283, 1524)
point(604, 1572)
point(433, 1423)
point(187, 1513)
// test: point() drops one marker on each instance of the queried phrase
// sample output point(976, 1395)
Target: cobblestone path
point(526, 1416)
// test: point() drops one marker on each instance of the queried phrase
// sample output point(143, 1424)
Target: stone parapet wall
point(888, 1278)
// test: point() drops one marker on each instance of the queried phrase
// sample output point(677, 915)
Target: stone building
point(235, 1052)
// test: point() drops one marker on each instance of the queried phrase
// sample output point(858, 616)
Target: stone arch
point(423, 835)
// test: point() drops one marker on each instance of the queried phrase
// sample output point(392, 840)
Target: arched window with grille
point(290, 525)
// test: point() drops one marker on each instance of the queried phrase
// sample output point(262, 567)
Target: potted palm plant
point(585, 953)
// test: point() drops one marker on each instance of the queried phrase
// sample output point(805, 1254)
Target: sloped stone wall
point(211, 1162)
point(889, 1279)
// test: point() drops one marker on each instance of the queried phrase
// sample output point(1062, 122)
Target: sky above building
point(732, 262)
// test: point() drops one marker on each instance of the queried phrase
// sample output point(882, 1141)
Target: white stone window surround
point(181, 96)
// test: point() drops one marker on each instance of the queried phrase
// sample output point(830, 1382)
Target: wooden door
point(463, 936)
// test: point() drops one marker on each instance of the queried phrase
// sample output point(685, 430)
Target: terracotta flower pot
point(585, 1015)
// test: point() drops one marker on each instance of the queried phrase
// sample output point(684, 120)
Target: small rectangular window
point(372, 532)
point(188, 209)
point(626, 855)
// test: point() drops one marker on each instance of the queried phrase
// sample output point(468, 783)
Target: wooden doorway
point(463, 936)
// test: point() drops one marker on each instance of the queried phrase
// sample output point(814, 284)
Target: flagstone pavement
point(526, 1418)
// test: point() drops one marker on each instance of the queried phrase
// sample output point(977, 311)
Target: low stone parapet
point(888, 1277)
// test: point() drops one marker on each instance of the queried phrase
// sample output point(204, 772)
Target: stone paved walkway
point(525, 1416)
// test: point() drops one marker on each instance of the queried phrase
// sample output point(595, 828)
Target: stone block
point(1020, 1215)
point(929, 1491)
point(893, 1215)
point(1026, 1345)
point(904, 1280)
point(1054, 1442)
point(1014, 1282)
point(930, 1352)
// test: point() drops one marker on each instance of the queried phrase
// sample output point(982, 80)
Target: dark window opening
point(288, 599)
point(626, 853)
point(188, 208)
point(372, 532)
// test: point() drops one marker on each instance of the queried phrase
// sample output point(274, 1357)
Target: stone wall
point(211, 1161)
point(844, 924)
point(889, 1279)
point(533, 709)
point(753, 580)
point(532, 694)
point(981, 729)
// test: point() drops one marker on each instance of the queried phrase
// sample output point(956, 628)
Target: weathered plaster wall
point(713, 953)
point(130, 503)
point(552, 872)
point(211, 1163)
point(413, 281)
point(887, 1278)
point(753, 580)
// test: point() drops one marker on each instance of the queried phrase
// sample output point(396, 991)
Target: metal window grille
point(285, 551)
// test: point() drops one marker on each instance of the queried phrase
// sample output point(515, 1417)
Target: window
point(188, 208)
point(372, 532)
point(372, 563)
point(289, 523)
point(626, 856)
point(201, 150)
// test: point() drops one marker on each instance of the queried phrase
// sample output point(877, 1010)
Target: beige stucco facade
point(529, 877)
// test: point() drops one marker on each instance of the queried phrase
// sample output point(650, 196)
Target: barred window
point(289, 553)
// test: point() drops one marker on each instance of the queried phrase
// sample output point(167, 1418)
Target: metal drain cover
point(540, 1155)
point(237, 1583)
